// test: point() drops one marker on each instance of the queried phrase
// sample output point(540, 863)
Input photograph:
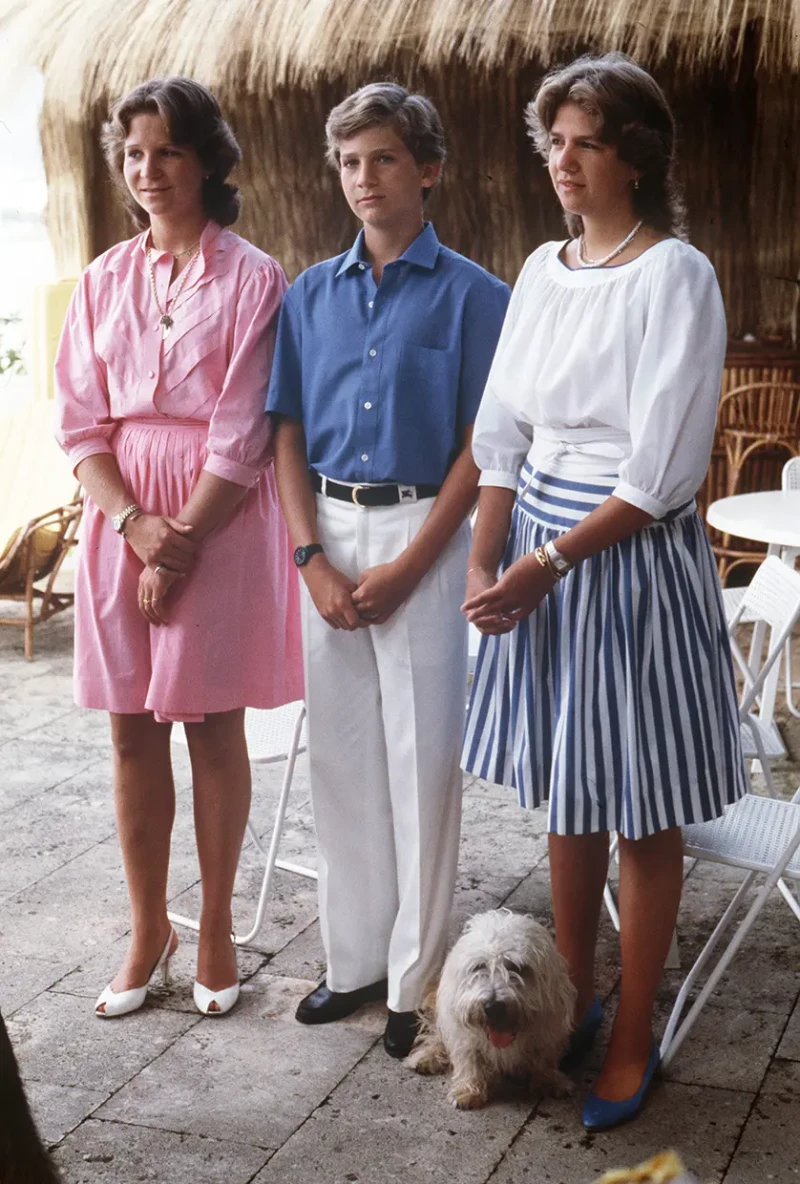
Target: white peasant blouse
point(608, 370)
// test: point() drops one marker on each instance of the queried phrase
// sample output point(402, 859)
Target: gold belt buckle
point(354, 495)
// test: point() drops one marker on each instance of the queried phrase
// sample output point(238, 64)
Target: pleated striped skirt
point(615, 700)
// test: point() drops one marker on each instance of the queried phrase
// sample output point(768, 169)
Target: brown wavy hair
point(193, 117)
point(633, 114)
point(412, 117)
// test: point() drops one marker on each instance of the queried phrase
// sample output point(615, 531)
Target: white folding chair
point(761, 836)
point(732, 598)
point(272, 736)
point(772, 599)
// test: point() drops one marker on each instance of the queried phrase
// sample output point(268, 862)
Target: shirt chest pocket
point(427, 395)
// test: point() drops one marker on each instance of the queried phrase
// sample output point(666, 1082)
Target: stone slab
point(59, 1109)
point(727, 1049)
point(500, 843)
point(790, 1044)
point(291, 907)
point(28, 769)
point(114, 1153)
point(72, 912)
point(59, 1039)
point(387, 1125)
point(701, 1124)
point(252, 1076)
point(783, 1078)
point(765, 974)
point(302, 958)
point(23, 978)
point(769, 1148)
point(43, 834)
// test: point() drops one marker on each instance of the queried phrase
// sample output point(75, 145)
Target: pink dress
point(168, 408)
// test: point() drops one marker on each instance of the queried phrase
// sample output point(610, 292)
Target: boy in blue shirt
point(380, 363)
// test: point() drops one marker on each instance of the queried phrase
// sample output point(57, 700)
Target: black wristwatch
point(303, 554)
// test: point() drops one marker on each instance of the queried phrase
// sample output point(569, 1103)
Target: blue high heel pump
point(582, 1039)
point(600, 1115)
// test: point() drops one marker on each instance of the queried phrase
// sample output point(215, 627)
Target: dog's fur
point(503, 1007)
point(23, 1159)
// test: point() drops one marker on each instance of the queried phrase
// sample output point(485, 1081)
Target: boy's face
point(381, 179)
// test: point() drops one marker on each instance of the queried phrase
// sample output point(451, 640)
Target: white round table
point(771, 517)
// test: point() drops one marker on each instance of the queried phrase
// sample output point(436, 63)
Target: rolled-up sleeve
point(240, 434)
point(285, 394)
point(500, 443)
point(84, 426)
point(484, 310)
point(675, 388)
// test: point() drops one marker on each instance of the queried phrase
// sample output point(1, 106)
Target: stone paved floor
point(168, 1096)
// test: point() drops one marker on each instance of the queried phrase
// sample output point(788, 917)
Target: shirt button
point(367, 406)
point(370, 304)
point(151, 373)
point(365, 456)
point(373, 353)
point(361, 266)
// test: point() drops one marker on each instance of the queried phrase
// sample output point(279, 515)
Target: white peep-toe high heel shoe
point(116, 1003)
point(215, 1002)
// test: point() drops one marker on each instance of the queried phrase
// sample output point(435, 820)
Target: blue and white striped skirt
point(616, 698)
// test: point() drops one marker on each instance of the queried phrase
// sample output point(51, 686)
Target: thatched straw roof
point(275, 43)
point(730, 67)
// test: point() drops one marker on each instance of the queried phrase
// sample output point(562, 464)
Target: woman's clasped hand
point(496, 605)
point(168, 552)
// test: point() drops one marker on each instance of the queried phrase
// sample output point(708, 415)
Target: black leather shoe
point(402, 1029)
point(323, 1005)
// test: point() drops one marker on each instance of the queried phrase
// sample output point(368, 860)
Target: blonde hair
point(632, 113)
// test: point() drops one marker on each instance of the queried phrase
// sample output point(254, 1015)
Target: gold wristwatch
point(118, 521)
point(560, 564)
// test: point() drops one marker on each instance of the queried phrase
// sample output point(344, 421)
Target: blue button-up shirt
point(385, 377)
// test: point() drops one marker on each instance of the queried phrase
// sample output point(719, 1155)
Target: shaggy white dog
point(503, 1007)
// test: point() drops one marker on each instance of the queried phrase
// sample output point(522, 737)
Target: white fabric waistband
point(579, 451)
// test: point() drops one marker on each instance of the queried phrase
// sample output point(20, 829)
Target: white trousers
point(385, 721)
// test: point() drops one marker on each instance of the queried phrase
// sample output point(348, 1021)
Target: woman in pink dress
point(186, 607)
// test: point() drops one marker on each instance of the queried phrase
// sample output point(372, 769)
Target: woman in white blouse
point(604, 681)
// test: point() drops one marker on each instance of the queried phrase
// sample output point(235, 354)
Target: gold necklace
point(165, 319)
point(188, 251)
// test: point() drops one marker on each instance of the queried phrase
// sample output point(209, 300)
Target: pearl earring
point(636, 183)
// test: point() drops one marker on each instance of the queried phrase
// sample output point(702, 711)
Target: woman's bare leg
point(221, 777)
point(578, 872)
point(144, 796)
point(650, 884)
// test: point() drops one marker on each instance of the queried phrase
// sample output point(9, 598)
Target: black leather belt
point(372, 495)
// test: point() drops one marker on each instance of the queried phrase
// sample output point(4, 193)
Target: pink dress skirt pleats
point(233, 637)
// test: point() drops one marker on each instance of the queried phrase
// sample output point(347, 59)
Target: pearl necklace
point(165, 319)
point(585, 262)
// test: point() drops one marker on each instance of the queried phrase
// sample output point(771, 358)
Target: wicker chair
point(33, 554)
point(759, 417)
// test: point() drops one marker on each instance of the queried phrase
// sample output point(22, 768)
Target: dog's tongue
point(500, 1039)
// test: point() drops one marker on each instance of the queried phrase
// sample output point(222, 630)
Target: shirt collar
point(422, 252)
point(210, 244)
